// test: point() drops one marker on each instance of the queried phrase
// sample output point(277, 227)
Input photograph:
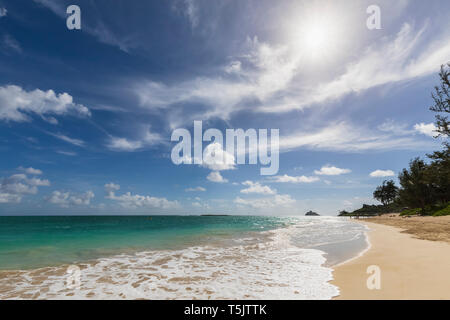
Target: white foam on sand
point(264, 269)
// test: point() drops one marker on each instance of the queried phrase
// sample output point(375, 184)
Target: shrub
point(443, 212)
point(411, 212)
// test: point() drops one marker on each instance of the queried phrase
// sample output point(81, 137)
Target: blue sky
point(86, 115)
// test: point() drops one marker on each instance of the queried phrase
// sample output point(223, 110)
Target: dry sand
point(411, 268)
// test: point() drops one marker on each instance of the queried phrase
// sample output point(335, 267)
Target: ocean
point(174, 257)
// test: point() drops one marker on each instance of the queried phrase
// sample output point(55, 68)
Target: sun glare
point(317, 35)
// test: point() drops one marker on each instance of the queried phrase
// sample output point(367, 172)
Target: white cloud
point(31, 171)
point(256, 187)
point(16, 103)
point(331, 171)
point(131, 201)
point(67, 153)
point(426, 129)
point(382, 173)
point(110, 188)
point(279, 200)
point(217, 159)
point(10, 44)
point(62, 137)
point(199, 189)
point(13, 188)
point(201, 205)
point(348, 138)
point(215, 176)
point(233, 67)
point(38, 182)
point(271, 80)
point(290, 179)
point(123, 144)
point(66, 199)
point(191, 11)
point(3, 12)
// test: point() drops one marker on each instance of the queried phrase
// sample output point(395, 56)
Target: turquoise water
point(31, 242)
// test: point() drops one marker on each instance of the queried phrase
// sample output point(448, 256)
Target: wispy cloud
point(270, 82)
point(10, 44)
point(344, 137)
point(196, 189)
point(147, 139)
point(3, 12)
point(62, 137)
point(98, 29)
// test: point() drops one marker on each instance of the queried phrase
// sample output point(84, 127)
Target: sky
point(86, 116)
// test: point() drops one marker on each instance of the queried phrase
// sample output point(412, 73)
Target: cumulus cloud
point(131, 201)
point(217, 159)
point(3, 12)
point(16, 104)
point(382, 173)
point(279, 200)
point(13, 188)
point(331, 171)
point(110, 188)
point(290, 179)
point(215, 176)
point(426, 129)
point(256, 187)
point(66, 199)
point(199, 189)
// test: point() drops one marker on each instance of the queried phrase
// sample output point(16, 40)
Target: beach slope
point(411, 268)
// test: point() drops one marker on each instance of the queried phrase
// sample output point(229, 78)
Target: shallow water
point(205, 257)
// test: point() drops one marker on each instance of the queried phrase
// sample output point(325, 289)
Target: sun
point(317, 36)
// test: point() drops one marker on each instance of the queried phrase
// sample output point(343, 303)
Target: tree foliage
point(386, 193)
point(441, 97)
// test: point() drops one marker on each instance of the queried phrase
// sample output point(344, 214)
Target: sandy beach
point(413, 255)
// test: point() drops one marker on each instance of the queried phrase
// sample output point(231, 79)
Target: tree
point(438, 174)
point(386, 193)
point(441, 98)
point(416, 191)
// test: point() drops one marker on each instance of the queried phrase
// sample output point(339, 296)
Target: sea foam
point(268, 269)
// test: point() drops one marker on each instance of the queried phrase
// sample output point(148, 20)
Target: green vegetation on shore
point(424, 186)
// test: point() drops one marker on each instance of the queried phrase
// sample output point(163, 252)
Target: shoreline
point(411, 268)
